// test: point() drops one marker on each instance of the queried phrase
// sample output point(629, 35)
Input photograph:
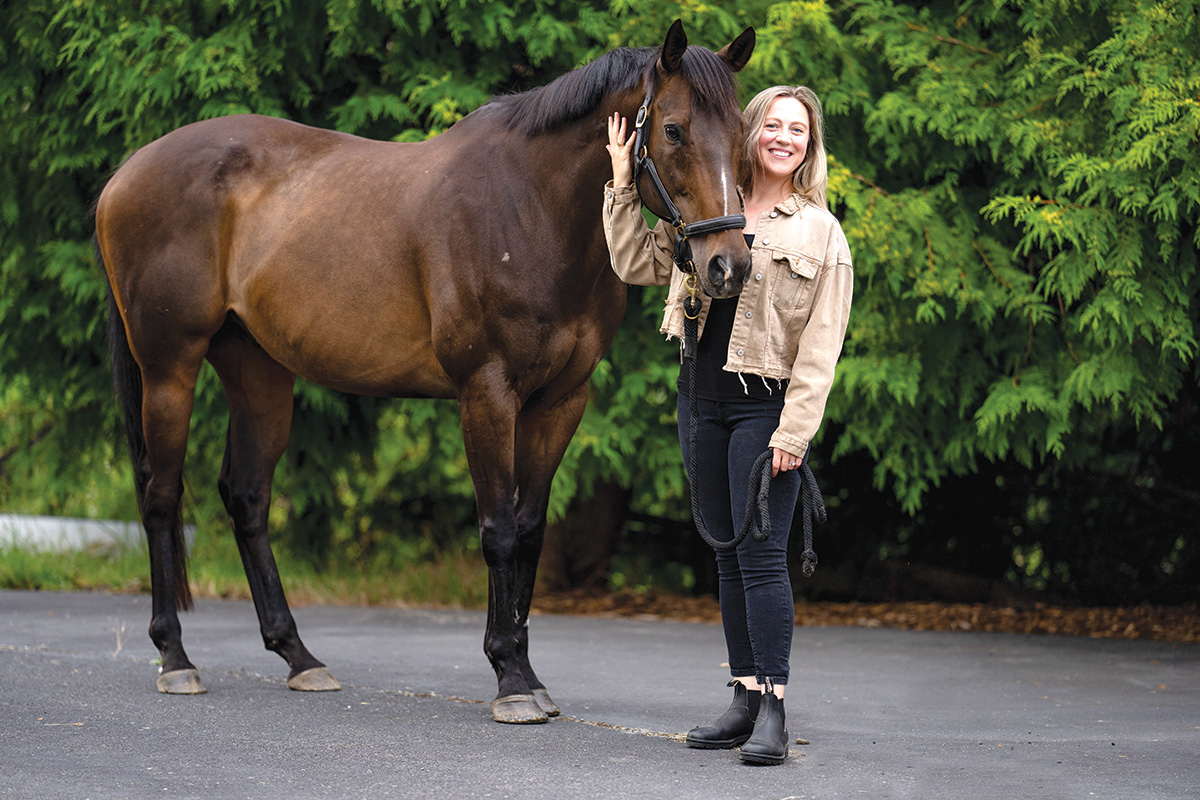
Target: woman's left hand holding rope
point(783, 461)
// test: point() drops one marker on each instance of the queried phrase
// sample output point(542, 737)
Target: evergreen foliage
point(1019, 182)
point(1030, 206)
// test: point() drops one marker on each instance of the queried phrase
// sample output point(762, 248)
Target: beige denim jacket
point(792, 312)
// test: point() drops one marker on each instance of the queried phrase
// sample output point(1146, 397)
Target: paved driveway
point(889, 714)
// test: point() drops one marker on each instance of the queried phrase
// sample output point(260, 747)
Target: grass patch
point(456, 580)
point(429, 578)
point(125, 570)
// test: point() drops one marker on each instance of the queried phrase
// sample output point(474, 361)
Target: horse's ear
point(737, 52)
point(673, 47)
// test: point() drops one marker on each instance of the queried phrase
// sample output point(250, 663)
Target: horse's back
point(185, 184)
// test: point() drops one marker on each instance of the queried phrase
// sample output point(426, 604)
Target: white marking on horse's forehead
point(725, 189)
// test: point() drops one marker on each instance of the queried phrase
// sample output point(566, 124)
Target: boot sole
point(717, 744)
point(763, 758)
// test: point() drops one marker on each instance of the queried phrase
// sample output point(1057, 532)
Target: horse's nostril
point(744, 268)
point(719, 272)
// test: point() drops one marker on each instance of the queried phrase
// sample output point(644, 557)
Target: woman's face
point(783, 138)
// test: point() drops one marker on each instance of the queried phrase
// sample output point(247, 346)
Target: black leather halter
point(642, 162)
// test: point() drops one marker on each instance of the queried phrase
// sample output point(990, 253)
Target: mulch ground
point(1160, 623)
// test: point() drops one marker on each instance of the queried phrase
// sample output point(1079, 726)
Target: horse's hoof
point(316, 679)
point(180, 681)
point(518, 709)
point(545, 703)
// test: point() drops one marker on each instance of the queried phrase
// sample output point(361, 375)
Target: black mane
point(578, 93)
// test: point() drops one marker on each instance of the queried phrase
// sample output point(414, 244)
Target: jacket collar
point(791, 204)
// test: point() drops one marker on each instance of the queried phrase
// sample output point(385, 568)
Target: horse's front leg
point(489, 411)
point(543, 432)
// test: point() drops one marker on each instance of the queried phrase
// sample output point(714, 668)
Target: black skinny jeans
point(757, 609)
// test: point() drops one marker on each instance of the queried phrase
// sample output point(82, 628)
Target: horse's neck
point(594, 165)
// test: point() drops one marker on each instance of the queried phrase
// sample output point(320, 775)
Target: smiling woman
point(754, 386)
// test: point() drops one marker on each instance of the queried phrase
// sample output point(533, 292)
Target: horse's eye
point(672, 132)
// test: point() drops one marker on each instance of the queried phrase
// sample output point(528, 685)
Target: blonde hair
point(811, 178)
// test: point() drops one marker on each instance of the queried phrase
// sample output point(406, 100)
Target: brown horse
point(472, 266)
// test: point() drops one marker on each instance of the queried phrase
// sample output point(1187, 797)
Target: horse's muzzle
point(726, 274)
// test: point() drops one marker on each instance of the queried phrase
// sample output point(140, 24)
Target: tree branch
point(12, 451)
point(874, 186)
point(1006, 284)
point(951, 40)
point(1062, 310)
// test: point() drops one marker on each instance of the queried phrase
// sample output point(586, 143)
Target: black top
point(713, 382)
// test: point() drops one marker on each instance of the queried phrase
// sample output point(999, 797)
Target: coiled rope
point(813, 505)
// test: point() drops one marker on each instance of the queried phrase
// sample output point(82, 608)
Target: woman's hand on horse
point(783, 461)
point(620, 149)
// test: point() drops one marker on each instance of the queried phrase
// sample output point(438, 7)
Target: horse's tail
point(127, 383)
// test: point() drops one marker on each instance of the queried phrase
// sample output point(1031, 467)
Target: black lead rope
point(813, 507)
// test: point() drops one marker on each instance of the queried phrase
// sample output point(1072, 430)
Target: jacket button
point(795, 275)
point(774, 214)
point(758, 277)
point(766, 240)
point(741, 352)
point(749, 314)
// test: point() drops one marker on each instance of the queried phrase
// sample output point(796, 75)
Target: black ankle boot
point(769, 742)
point(734, 726)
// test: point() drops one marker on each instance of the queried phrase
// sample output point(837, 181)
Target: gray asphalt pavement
point(887, 714)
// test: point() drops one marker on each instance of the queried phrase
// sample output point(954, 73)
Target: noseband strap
point(642, 162)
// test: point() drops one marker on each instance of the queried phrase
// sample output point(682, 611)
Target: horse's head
point(691, 138)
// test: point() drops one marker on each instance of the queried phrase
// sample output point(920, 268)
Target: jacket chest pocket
point(792, 274)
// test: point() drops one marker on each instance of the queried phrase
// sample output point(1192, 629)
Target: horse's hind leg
point(543, 433)
point(167, 397)
point(259, 392)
